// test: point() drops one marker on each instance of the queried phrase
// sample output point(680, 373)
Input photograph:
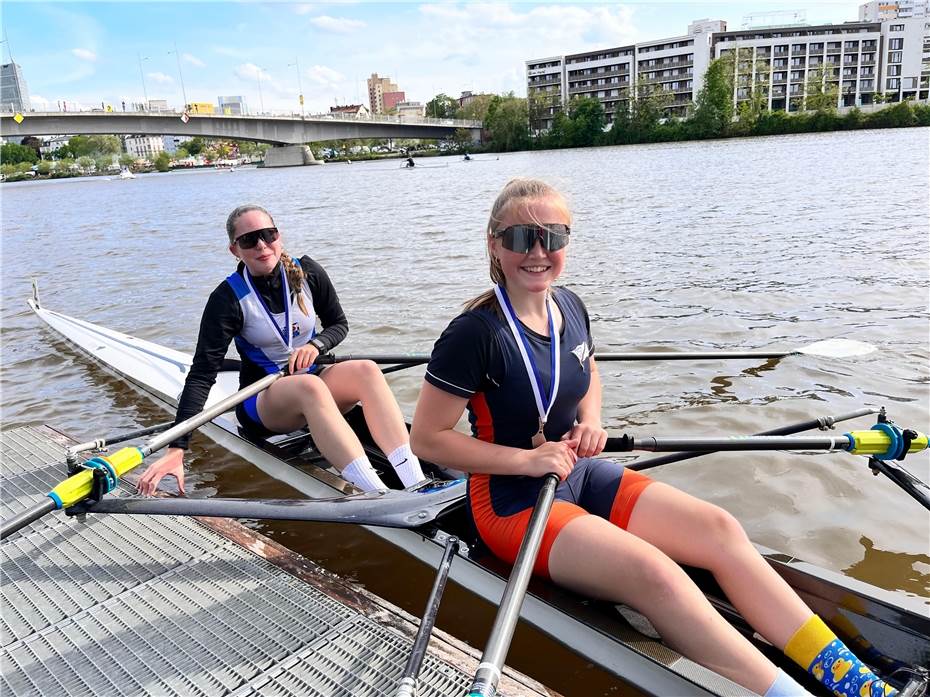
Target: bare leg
point(362, 381)
point(717, 542)
point(298, 400)
point(596, 558)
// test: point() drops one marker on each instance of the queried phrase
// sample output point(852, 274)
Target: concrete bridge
point(286, 133)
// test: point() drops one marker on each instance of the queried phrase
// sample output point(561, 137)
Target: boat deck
point(182, 606)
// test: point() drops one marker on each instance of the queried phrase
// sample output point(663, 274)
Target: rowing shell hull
point(896, 626)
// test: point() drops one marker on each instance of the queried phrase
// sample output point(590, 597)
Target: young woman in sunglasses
point(520, 360)
point(269, 306)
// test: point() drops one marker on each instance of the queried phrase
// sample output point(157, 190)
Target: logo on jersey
point(295, 329)
point(581, 352)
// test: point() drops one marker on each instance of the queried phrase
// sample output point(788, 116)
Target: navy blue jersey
point(477, 357)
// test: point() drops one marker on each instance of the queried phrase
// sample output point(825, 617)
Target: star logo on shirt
point(581, 352)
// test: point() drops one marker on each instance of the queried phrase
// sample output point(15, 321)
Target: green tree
point(713, 110)
point(194, 146)
point(476, 109)
point(586, 122)
point(507, 122)
point(44, 167)
point(126, 160)
point(13, 153)
point(93, 145)
point(819, 95)
point(181, 154)
point(162, 161)
point(7, 169)
point(442, 106)
point(462, 139)
point(103, 162)
point(85, 162)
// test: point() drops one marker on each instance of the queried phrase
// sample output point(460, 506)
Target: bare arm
point(433, 436)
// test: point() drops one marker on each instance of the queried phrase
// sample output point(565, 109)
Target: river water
point(767, 243)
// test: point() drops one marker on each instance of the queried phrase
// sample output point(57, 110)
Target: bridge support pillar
point(289, 156)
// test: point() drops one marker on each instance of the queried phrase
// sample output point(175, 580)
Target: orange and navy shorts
point(501, 505)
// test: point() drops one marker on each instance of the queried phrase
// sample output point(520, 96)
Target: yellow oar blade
point(78, 487)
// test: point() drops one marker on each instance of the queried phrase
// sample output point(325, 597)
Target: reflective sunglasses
point(250, 239)
point(522, 238)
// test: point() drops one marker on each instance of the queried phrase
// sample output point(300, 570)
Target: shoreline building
point(778, 64)
point(232, 106)
point(14, 94)
point(612, 75)
point(144, 147)
point(881, 10)
point(411, 110)
point(383, 95)
point(356, 111)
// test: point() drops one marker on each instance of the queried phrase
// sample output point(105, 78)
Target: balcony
point(798, 52)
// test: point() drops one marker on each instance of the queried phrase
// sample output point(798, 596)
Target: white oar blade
point(837, 348)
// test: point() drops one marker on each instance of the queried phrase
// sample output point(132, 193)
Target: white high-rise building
point(881, 10)
point(14, 95)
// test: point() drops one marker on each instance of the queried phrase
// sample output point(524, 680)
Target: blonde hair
point(293, 270)
point(516, 191)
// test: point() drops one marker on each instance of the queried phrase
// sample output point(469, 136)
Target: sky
point(266, 52)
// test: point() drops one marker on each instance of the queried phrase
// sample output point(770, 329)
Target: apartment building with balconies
point(546, 91)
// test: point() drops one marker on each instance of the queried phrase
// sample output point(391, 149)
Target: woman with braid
point(269, 306)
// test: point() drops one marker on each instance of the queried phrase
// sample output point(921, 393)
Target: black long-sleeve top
point(222, 321)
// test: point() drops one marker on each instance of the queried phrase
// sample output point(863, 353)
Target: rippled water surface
point(758, 243)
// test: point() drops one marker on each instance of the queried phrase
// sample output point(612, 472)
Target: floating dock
point(139, 605)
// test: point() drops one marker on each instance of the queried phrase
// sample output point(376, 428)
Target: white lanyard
point(527, 354)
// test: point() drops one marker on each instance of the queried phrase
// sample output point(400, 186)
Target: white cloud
point(339, 25)
point(39, 103)
point(324, 76)
point(84, 54)
point(250, 71)
point(160, 78)
point(193, 60)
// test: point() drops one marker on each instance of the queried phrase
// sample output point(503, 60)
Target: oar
point(495, 651)
point(884, 442)
point(408, 681)
point(388, 509)
point(831, 348)
point(79, 486)
point(822, 422)
point(101, 443)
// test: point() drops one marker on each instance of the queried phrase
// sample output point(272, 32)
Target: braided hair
point(292, 269)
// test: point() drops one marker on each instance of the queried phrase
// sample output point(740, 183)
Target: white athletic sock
point(363, 475)
point(785, 686)
point(407, 465)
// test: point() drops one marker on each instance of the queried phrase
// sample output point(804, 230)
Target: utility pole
point(180, 75)
point(145, 94)
point(299, 86)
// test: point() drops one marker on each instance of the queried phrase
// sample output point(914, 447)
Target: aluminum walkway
point(135, 605)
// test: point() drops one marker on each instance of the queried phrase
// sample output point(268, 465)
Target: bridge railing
point(284, 115)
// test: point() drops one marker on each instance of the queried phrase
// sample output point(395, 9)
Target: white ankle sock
point(407, 465)
point(785, 686)
point(363, 475)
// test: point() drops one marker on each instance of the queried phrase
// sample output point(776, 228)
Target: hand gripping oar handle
point(408, 682)
point(495, 652)
point(79, 486)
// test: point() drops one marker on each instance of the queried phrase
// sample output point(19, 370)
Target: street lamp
point(300, 88)
point(180, 74)
point(145, 94)
point(261, 101)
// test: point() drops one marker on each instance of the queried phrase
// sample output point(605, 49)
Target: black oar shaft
point(408, 682)
point(21, 520)
point(791, 429)
point(652, 444)
point(495, 652)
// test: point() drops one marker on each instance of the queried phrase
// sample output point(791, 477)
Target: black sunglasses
point(250, 239)
point(522, 238)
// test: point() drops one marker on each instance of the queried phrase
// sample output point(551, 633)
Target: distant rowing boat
point(889, 630)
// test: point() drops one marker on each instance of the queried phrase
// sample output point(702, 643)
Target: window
point(910, 83)
point(892, 83)
point(894, 70)
point(866, 85)
point(894, 57)
point(896, 44)
point(896, 27)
